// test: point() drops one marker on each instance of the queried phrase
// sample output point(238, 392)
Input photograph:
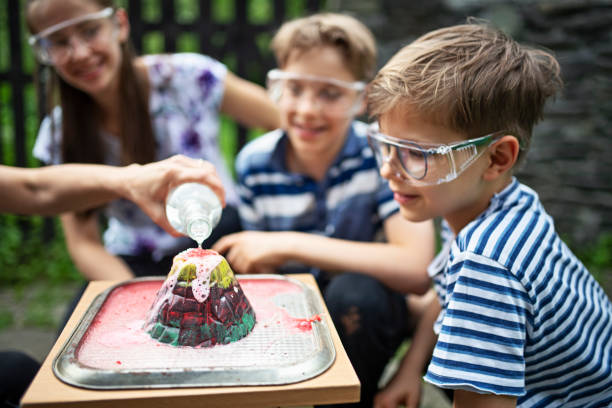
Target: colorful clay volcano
point(200, 304)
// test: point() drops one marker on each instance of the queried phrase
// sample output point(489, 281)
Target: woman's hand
point(148, 185)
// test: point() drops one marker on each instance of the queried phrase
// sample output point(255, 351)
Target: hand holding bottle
point(148, 185)
point(194, 210)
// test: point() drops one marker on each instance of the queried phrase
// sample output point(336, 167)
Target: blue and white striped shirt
point(521, 315)
point(351, 202)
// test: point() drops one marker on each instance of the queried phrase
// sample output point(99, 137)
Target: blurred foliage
point(597, 257)
point(25, 258)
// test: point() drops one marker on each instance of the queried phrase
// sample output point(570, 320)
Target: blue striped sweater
point(521, 315)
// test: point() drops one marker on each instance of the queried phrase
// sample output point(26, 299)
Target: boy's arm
point(401, 263)
point(398, 266)
point(467, 399)
point(405, 386)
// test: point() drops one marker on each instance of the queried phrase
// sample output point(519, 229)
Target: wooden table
point(336, 385)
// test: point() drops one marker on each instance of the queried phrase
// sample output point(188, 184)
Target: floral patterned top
point(186, 94)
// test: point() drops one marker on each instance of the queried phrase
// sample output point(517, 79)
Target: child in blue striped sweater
point(311, 198)
point(519, 321)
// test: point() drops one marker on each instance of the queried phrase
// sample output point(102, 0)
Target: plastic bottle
point(193, 209)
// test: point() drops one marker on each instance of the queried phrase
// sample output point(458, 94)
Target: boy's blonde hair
point(350, 37)
point(471, 78)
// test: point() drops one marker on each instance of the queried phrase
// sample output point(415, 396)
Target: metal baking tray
point(273, 353)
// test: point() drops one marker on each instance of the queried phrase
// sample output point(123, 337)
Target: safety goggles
point(427, 163)
point(333, 96)
point(52, 48)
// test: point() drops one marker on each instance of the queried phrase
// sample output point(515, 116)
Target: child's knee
point(353, 290)
point(358, 301)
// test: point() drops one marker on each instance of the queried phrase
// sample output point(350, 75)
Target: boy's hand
point(403, 390)
point(253, 251)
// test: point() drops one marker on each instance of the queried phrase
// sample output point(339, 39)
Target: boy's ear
point(502, 157)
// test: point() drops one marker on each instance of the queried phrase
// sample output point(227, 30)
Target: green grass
point(6, 319)
point(38, 315)
point(39, 275)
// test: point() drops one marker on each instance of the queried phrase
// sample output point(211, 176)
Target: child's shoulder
point(259, 151)
point(360, 129)
point(514, 219)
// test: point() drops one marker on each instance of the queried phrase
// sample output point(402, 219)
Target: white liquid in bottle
point(194, 210)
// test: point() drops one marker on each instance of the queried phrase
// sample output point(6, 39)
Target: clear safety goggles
point(427, 163)
point(333, 96)
point(50, 47)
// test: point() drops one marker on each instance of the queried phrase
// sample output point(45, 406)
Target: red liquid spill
point(116, 336)
point(306, 324)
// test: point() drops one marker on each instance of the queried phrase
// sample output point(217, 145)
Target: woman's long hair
point(81, 118)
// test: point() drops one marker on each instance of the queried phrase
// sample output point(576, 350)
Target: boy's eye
point(413, 155)
point(294, 88)
point(330, 94)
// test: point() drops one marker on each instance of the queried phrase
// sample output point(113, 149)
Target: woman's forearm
point(54, 189)
point(74, 187)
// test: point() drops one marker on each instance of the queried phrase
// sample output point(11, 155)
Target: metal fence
point(236, 32)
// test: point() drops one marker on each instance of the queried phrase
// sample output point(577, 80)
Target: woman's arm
point(88, 254)
point(54, 189)
point(249, 104)
point(400, 263)
point(50, 190)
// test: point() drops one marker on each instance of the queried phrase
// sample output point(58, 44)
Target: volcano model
point(200, 304)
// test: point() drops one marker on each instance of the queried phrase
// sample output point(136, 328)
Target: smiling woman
point(116, 108)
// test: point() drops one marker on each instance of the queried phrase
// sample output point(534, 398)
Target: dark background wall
point(570, 162)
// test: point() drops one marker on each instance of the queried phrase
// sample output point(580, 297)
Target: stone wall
point(570, 162)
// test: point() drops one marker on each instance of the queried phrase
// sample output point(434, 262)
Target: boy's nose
point(307, 104)
point(386, 171)
point(389, 168)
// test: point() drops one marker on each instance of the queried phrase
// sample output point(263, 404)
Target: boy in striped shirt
point(521, 322)
point(312, 199)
